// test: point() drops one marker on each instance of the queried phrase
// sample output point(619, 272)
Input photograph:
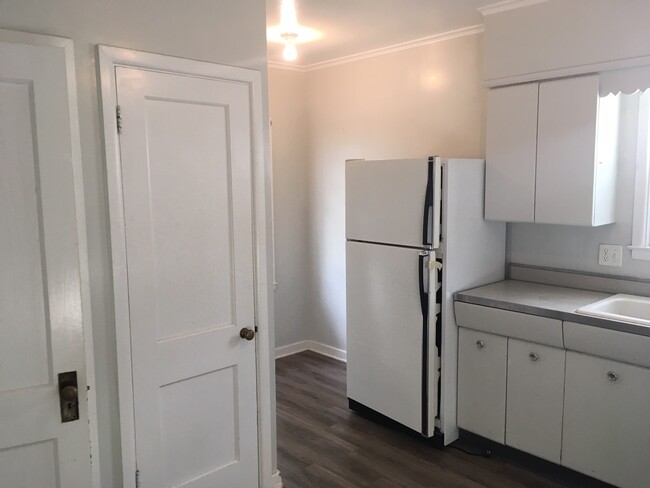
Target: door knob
point(68, 396)
point(69, 393)
point(247, 334)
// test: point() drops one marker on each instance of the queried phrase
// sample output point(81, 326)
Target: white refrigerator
point(415, 235)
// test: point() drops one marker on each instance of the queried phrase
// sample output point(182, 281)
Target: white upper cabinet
point(551, 153)
point(511, 153)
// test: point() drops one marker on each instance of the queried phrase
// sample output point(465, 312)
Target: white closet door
point(41, 322)
point(186, 173)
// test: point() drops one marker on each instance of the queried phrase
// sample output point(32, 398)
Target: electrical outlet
point(610, 255)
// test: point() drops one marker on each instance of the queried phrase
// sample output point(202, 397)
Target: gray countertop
point(555, 302)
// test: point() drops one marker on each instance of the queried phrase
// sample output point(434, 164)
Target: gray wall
point(576, 248)
point(288, 108)
point(222, 31)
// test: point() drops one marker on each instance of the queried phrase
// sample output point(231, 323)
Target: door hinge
point(118, 117)
point(137, 478)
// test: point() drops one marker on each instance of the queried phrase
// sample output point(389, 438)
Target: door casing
point(109, 59)
point(18, 37)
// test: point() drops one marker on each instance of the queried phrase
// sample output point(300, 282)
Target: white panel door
point(511, 153)
point(385, 201)
point(385, 331)
point(186, 170)
point(41, 323)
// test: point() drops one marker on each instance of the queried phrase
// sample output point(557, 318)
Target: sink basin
point(623, 308)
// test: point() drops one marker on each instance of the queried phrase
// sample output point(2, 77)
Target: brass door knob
point(69, 393)
point(247, 334)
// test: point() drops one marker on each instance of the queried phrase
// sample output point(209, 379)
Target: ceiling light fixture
point(289, 32)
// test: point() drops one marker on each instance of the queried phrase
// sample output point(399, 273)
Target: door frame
point(110, 58)
point(28, 38)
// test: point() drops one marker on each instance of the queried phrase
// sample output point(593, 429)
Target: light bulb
point(290, 52)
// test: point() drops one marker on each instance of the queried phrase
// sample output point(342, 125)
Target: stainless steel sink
point(623, 308)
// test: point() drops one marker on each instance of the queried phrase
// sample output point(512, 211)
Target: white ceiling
point(351, 27)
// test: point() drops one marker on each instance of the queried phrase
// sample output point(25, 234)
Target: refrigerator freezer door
point(385, 330)
point(386, 201)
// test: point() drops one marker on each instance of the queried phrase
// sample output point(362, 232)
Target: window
point(641, 221)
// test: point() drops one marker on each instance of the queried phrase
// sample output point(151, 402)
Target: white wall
point(560, 34)
point(412, 103)
point(226, 31)
point(288, 110)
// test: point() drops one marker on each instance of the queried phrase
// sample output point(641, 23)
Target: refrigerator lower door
point(385, 328)
point(392, 202)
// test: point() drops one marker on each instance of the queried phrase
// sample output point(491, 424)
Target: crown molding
point(495, 8)
point(286, 66)
point(423, 41)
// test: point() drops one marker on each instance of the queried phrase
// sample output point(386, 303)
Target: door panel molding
point(67, 48)
point(109, 59)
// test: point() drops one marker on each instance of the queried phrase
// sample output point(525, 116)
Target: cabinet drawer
point(607, 420)
point(533, 328)
point(611, 344)
point(482, 370)
point(535, 399)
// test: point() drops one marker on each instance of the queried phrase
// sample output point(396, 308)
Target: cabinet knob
point(611, 376)
point(533, 357)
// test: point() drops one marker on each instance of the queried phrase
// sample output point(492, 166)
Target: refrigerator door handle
point(427, 231)
point(423, 266)
point(436, 196)
point(424, 304)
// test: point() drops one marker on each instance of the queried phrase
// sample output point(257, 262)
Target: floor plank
point(322, 444)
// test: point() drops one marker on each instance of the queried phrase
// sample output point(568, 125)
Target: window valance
point(627, 81)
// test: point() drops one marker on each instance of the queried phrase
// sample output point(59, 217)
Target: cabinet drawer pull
point(611, 376)
point(533, 357)
point(480, 344)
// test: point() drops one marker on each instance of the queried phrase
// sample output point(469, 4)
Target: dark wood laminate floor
point(322, 444)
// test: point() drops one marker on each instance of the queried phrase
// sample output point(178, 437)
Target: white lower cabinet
point(607, 420)
point(577, 409)
point(535, 399)
point(482, 370)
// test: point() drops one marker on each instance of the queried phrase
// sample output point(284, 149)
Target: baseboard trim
point(277, 480)
point(317, 347)
point(291, 349)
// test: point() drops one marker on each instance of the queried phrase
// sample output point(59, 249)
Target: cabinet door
point(607, 420)
point(535, 399)
point(566, 151)
point(482, 369)
point(511, 153)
